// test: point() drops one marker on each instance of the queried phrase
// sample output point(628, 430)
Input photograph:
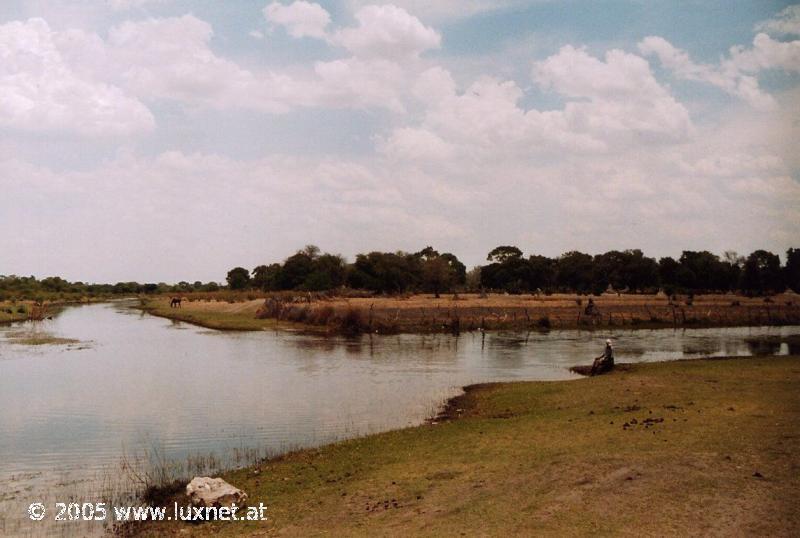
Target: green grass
point(11, 315)
point(207, 318)
point(558, 458)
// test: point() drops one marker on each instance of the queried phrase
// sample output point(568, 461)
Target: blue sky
point(173, 139)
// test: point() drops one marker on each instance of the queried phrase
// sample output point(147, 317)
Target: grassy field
point(682, 448)
point(13, 311)
point(222, 315)
point(450, 313)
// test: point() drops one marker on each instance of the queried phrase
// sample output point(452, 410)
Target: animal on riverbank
point(175, 302)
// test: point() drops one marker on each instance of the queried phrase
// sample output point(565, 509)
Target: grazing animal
point(175, 302)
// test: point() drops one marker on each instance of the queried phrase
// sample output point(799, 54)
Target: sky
point(167, 140)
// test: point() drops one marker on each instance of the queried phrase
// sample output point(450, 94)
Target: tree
point(705, 269)
point(295, 270)
point(238, 278)
point(328, 271)
point(762, 273)
point(473, 278)
point(265, 277)
point(503, 253)
point(385, 272)
point(791, 272)
point(574, 271)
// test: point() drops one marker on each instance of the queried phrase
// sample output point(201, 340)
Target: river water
point(86, 419)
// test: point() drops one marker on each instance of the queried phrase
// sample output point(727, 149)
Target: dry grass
point(706, 447)
point(465, 312)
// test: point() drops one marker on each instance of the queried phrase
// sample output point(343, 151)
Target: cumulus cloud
point(787, 22)
point(726, 77)
point(445, 9)
point(301, 19)
point(159, 59)
point(767, 53)
point(611, 105)
point(735, 75)
point(129, 4)
point(40, 92)
point(387, 32)
point(617, 95)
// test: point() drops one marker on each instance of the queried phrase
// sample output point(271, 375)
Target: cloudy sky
point(165, 140)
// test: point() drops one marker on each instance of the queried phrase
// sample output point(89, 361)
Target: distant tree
point(312, 251)
point(541, 272)
point(211, 286)
point(385, 272)
point(436, 275)
point(266, 277)
point(791, 272)
point(762, 273)
point(473, 278)
point(296, 269)
point(574, 272)
point(238, 278)
point(668, 274)
point(705, 268)
point(328, 271)
point(503, 253)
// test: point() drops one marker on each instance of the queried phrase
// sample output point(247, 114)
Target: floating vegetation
point(34, 338)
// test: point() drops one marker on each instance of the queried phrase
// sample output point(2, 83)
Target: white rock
point(205, 491)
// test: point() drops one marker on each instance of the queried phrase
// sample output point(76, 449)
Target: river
point(86, 418)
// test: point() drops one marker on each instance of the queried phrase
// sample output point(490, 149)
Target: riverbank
point(219, 315)
point(678, 448)
point(11, 312)
point(467, 312)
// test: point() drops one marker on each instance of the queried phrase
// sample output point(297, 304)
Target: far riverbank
point(469, 312)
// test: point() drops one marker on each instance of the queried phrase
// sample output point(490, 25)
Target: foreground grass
point(682, 448)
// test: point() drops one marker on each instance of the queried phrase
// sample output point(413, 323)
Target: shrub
point(351, 323)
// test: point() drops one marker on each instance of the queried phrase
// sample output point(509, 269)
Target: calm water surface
point(137, 388)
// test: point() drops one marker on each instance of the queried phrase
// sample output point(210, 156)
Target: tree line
point(57, 288)
point(509, 270)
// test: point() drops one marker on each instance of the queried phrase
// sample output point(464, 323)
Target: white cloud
point(172, 59)
point(767, 53)
point(40, 92)
point(737, 74)
point(617, 95)
point(361, 83)
point(130, 4)
point(301, 19)
point(787, 22)
point(387, 32)
point(445, 9)
point(726, 77)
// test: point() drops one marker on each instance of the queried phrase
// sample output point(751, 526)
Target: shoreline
point(428, 315)
point(644, 435)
